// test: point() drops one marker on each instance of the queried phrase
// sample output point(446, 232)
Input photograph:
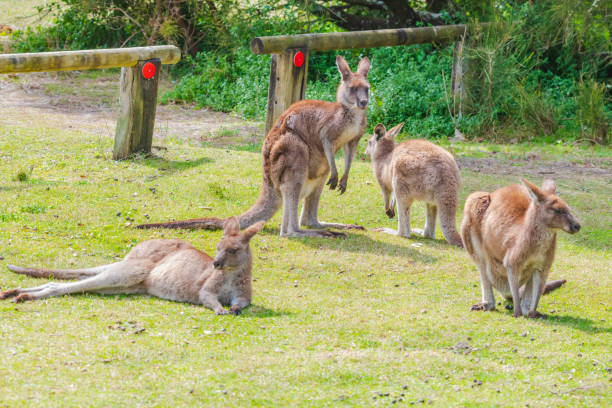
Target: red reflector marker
point(298, 59)
point(148, 70)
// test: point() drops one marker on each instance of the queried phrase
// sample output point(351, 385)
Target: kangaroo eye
point(559, 210)
point(232, 251)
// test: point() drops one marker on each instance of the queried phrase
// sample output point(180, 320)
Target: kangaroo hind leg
point(120, 278)
point(60, 273)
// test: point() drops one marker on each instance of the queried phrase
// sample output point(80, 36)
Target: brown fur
point(166, 268)
point(416, 170)
point(511, 235)
point(298, 154)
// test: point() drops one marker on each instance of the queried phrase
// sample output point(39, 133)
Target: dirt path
point(89, 103)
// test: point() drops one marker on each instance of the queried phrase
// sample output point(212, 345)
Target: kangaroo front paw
point(235, 310)
point(333, 181)
point(482, 306)
point(221, 311)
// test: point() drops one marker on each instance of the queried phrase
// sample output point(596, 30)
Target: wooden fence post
point(138, 100)
point(288, 76)
point(457, 84)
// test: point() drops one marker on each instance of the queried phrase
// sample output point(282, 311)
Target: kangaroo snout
point(363, 103)
point(218, 264)
point(574, 227)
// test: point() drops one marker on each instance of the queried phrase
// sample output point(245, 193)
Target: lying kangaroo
point(298, 154)
point(416, 170)
point(166, 268)
point(511, 236)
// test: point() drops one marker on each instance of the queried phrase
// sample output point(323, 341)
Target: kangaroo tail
point(264, 208)
point(553, 285)
point(211, 223)
point(268, 202)
point(447, 209)
point(59, 273)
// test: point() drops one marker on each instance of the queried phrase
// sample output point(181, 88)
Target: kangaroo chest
point(348, 133)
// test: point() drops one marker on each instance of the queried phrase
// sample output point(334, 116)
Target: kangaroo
point(415, 170)
point(298, 154)
point(166, 268)
point(511, 235)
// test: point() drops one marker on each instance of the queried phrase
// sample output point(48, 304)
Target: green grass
point(333, 322)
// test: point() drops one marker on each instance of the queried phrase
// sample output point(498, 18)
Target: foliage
point(406, 86)
point(72, 29)
point(523, 78)
point(225, 82)
point(527, 64)
point(592, 115)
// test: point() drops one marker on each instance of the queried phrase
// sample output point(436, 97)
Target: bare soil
point(537, 167)
point(91, 104)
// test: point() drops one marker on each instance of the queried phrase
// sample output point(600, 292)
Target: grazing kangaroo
point(166, 268)
point(298, 154)
point(510, 234)
point(416, 170)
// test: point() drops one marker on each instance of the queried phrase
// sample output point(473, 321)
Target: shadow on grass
point(360, 243)
point(29, 184)
point(172, 166)
point(579, 323)
point(261, 311)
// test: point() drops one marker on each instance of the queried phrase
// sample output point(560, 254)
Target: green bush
point(225, 82)
point(406, 86)
point(592, 116)
point(523, 79)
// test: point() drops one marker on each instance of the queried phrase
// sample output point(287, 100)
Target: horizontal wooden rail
point(357, 39)
point(86, 59)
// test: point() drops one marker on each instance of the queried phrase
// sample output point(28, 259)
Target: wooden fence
point(289, 64)
point(138, 84)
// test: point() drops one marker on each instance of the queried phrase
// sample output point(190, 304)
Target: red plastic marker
point(298, 60)
point(148, 70)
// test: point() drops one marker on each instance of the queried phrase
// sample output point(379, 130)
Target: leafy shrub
point(406, 86)
point(592, 116)
point(523, 77)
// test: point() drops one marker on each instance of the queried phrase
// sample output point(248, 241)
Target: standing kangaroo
point(166, 268)
point(416, 170)
point(298, 154)
point(510, 234)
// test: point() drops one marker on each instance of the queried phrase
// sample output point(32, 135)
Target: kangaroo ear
point(231, 226)
point(549, 186)
point(343, 67)
point(395, 130)
point(248, 233)
point(380, 131)
point(364, 66)
point(536, 194)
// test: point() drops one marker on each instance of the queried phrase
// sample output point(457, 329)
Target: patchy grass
point(22, 13)
point(363, 321)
